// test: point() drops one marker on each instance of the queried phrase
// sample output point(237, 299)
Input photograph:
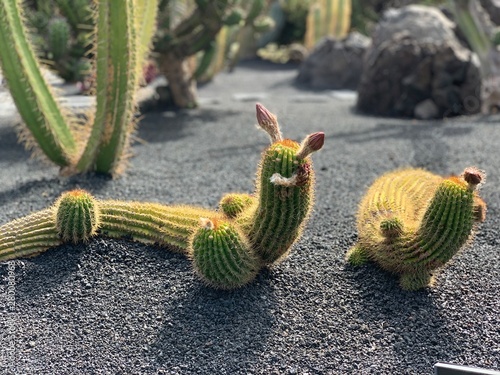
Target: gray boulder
point(416, 67)
point(334, 64)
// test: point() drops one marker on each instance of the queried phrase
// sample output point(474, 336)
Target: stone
point(334, 64)
point(492, 7)
point(414, 59)
point(426, 110)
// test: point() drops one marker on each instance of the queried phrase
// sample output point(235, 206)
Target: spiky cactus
point(122, 38)
point(227, 248)
point(412, 222)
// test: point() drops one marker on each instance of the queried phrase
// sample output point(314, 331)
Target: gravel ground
point(117, 307)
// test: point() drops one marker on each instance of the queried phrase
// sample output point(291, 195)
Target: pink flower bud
point(313, 142)
point(268, 122)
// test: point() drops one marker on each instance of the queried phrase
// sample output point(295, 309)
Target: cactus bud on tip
point(313, 142)
point(473, 176)
point(268, 122)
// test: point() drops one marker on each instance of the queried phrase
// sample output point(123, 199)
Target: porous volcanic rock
point(334, 64)
point(415, 57)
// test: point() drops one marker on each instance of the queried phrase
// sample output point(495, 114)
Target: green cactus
point(327, 17)
point(77, 216)
point(227, 248)
point(195, 38)
point(222, 256)
point(412, 222)
point(101, 144)
point(233, 204)
point(63, 35)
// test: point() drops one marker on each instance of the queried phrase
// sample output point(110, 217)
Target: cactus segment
point(116, 84)
point(29, 235)
point(77, 216)
point(234, 204)
point(412, 222)
point(222, 256)
point(170, 226)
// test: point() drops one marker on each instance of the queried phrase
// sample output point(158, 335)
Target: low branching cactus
point(227, 248)
point(412, 222)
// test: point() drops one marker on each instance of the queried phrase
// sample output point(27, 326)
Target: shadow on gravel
point(10, 149)
point(33, 190)
point(217, 330)
point(417, 325)
point(157, 126)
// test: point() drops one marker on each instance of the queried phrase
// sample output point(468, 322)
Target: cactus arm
point(32, 96)
point(285, 192)
point(116, 85)
point(151, 222)
point(29, 235)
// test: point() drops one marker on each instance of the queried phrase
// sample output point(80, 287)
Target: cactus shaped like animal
point(412, 222)
point(227, 248)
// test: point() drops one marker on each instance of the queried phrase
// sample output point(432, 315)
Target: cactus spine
point(227, 248)
point(412, 222)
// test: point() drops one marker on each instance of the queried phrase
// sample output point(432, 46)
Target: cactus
point(77, 216)
point(412, 222)
point(187, 28)
point(222, 256)
point(63, 35)
point(234, 204)
point(227, 249)
point(102, 143)
point(327, 17)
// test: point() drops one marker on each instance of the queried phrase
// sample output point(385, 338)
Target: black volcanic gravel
point(117, 307)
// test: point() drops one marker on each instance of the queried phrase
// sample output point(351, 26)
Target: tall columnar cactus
point(412, 222)
point(103, 142)
point(327, 17)
point(227, 248)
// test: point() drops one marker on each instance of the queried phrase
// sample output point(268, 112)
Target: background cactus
point(62, 34)
point(122, 38)
point(212, 28)
point(227, 248)
point(411, 222)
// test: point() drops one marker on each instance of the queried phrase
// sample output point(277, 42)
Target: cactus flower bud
point(473, 176)
point(268, 122)
point(313, 142)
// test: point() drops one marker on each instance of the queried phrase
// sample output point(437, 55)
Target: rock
point(426, 110)
point(415, 56)
point(492, 7)
point(334, 64)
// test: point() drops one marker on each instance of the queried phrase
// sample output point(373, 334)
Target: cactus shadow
point(223, 330)
point(167, 126)
point(401, 319)
point(46, 272)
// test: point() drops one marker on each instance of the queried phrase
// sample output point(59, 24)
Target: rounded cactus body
point(222, 256)
point(77, 216)
point(412, 222)
point(234, 204)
